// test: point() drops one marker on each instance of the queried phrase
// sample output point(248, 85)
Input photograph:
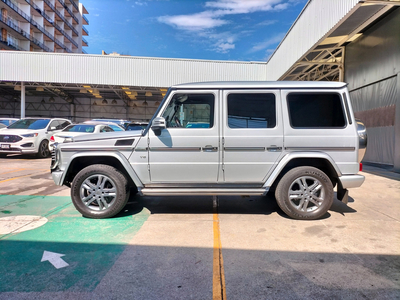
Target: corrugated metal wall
point(372, 69)
point(316, 20)
point(121, 70)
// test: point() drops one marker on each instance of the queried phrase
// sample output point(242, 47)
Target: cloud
point(194, 22)
point(265, 44)
point(243, 7)
point(205, 24)
point(213, 17)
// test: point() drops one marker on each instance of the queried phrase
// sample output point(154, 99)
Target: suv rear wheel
point(99, 191)
point(305, 193)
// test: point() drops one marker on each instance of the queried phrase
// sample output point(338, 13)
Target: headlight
point(30, 135)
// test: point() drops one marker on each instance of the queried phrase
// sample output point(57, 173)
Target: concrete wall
point(372, 69)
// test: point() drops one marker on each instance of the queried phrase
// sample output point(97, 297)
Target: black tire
point(3, 155)
point(311, 191)
point(43, 150)
point(89, 191)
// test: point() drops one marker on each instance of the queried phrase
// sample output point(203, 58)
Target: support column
point(396, 157)
point(22, 100)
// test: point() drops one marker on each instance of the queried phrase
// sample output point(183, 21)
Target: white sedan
point(77, 129)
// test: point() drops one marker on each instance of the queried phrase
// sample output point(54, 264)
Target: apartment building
point(43, 25)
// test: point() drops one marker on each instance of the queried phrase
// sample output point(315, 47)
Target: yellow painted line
point(15, 170)
point(9, 179)
point(219, 292)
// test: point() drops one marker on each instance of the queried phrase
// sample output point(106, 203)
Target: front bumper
point(57, 177)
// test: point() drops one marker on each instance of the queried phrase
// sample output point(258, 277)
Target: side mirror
point(52, 128)
point(157, 125)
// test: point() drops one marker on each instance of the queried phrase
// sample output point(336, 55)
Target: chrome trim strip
point(176, 149)
point(244, 148)
point(321, 148)
point(141, 149)
point(116, 148)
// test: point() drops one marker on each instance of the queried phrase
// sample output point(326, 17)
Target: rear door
point(252, 135)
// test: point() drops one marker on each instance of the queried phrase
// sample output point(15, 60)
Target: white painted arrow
point(55, 259)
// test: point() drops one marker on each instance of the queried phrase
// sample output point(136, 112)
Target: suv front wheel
point(304, 193)
point(99, 191)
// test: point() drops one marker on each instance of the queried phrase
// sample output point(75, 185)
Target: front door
point(252, 135)
point(187, 151)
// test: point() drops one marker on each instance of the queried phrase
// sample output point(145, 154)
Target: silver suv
point(299, 139)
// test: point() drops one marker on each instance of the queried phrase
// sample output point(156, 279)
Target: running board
point(201, 192)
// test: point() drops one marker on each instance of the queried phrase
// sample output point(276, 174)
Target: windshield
point(80, 128)
point(30, 124)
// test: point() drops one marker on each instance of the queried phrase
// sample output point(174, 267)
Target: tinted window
point(251, 110)
point(116, 127)
point(79, 128)
point(30, 124)
point(63, 124)
point(315, 110)
point(191, 109)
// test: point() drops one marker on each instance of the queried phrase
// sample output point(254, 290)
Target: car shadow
point(254, 205)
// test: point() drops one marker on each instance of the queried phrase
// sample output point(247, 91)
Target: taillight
point(360, 167)
point(52, 139)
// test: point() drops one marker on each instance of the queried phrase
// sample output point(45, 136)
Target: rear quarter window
point(316, 110)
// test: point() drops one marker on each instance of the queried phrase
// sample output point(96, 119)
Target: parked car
point(30, 136)
point(78, 129)
point(299, 140)
point(136, 126)
point(8, 121)
point(113, 125)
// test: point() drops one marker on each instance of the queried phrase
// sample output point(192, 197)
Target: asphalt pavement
point(195, 247)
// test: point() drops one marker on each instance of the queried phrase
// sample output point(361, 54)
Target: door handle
point(274, 149)
point(209, 148)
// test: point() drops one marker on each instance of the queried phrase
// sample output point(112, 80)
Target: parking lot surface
point(194, 247)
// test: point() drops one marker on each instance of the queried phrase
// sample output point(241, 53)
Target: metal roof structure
point(314, 47)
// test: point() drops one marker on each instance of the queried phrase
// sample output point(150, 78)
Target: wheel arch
point(83, 160)
point(321, 161)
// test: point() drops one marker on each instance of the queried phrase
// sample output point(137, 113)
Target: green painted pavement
point(90, 246)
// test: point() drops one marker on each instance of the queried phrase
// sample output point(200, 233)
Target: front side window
point(190, 111)
point(315, 110)
point(251, 110)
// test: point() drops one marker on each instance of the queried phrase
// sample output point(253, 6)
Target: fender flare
point(294, 155)
point(114, 154)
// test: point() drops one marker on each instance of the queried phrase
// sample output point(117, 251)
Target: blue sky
point(241, 30)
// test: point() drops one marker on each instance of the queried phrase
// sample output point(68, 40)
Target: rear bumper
point(351, 181)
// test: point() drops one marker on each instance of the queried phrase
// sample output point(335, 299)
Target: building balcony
point(68, 10)
point(9, 44)
point(85, 31)
point(84, 42)
point(74, 5)
point(85, 20)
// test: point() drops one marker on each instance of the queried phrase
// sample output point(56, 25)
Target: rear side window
point(251, 110)
point(315, 110)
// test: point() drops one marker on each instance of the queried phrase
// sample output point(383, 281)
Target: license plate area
point(5, 146)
